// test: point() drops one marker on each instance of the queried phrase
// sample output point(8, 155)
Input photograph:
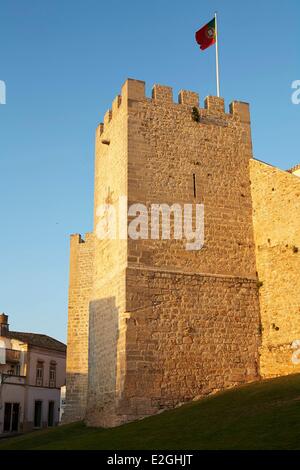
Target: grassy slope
point(264, 415)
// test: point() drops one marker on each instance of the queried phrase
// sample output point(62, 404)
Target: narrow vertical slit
point(194, 184)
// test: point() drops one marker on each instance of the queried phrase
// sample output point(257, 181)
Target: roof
point(39, 341)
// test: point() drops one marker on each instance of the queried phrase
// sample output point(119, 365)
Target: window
point(194, 184)
point(14, 370)
point(38, 414)
point(39, 373)
point(52, 375)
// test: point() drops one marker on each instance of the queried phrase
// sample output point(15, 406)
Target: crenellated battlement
point(77, 238)
point(134, 90)
point(295, 170)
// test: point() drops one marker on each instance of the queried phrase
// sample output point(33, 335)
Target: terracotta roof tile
point(40, 341)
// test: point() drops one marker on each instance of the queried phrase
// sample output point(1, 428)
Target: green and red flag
point(207, 35)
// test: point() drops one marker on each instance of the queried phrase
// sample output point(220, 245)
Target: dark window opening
point(52, 375)
point(51, 414)
point(38, 414)
point(39, 373)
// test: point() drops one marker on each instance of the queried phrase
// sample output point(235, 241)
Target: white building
point(32, 372)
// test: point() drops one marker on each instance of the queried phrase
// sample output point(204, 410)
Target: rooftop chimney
point(3, 324)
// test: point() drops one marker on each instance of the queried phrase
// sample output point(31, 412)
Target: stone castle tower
point(151, 324)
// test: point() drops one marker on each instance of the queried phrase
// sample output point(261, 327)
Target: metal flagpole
point(217, 56)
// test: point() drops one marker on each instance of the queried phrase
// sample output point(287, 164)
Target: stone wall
point(194, 324)
point(80, 289)
point(276, 218)
point(188, 335)
point(167, 325)
point(107, 306)
point(168, 151)
point(155, 306)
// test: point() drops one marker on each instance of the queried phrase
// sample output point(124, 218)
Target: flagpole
point(217, 56)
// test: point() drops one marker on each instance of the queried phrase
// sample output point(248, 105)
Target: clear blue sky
point(63, 63)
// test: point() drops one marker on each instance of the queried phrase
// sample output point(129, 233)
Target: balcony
point(13, 356)
point(9, 356)
point(12, 379)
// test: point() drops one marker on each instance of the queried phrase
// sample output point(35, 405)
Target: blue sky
point(63, 63)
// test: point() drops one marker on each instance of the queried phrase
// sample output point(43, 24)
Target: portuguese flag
point(206, 36)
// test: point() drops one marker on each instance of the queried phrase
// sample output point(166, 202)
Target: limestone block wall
point(276, 209)
point(107, 306)
point(167, 325)
point(194, 322)
point(168, 153)
point(80, 288)
point(107, 366)
point(188, 335)
point(154, 304)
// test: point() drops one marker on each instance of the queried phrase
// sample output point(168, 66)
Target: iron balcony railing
point(12, 379)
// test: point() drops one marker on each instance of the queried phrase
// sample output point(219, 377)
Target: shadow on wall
point(76, 393)
point(104, 334)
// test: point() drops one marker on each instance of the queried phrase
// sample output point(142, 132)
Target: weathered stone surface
point(81, 280)
point(276, 217)
point(152, 325)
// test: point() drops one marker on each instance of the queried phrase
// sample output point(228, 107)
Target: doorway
point(11, 417)
point(38, 414)
point(51, 414)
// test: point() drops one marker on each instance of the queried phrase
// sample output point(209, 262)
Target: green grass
point(263, 415)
